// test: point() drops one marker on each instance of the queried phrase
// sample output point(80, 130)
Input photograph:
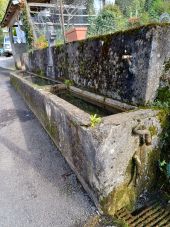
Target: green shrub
point(109, 20)
point(162, 102)
point(41, 42)
point(68, 83)
point(161, 6)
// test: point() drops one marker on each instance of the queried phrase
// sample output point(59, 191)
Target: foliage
point(162, 102)
point(131, 8)
point(3, 4)
point(41, 73)
point(41, 42)
point(94, 120)
point(145, 18)
point(164, 95)
point(27, 29)
point(128, 13)
point(161, 6)
point(163, 99)
point(142, 11)
point(110, 19)
point(156, 8)
point(136, 8)
point(1, 37)
point(168, 169)
point(59, 42)
point(123, 5)
point(90, 7)
point(68, 83)
point(162, 164)
point(165, 168)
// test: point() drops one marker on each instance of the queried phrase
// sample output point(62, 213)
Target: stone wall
point(126, 66)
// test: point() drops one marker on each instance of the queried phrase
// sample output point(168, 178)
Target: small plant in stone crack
point(164, 167)
point(94, 120)
point(68, 83)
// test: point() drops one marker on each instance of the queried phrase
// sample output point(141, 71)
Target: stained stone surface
point(126, 66)
point(99, 156)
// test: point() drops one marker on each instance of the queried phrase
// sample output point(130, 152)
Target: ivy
point(162, 103)
point(27, 28)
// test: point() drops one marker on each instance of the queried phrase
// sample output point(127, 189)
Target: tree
point(156, 8)
point(131, 7)
point(3, 5)
point(109, 20)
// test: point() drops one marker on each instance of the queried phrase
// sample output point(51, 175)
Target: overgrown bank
point(162, 102)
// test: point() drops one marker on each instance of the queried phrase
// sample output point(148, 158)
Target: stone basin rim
point(81, 117)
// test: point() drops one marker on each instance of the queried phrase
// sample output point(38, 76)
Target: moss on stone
point(152, 176)
point(41, 73)
point(167, 66)
point(108, 37)
point(52, 129)
point(162, 116)
point(122, 196)
point(163, 94)
point(15, 83)
point(126, 194)
point(131, 31)
point(153, 130)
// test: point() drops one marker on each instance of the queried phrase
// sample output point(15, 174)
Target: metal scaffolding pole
point(62, 20)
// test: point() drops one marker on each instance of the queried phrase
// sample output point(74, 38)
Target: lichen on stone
point(153, 130)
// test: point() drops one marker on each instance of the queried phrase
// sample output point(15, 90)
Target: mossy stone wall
point(126, 66)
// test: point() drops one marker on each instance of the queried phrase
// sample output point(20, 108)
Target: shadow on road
point(28, 142)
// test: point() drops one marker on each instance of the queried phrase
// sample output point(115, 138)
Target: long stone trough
point(116, 159)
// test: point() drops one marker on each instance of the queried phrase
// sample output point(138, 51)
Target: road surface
point(7, 63)
point(37, 188)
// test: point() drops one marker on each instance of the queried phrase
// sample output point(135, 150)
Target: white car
point(7, 46)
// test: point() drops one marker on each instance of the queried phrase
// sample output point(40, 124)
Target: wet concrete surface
point(37, 187)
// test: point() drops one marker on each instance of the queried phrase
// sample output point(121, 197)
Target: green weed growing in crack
point(68, 83)
point(94, 120)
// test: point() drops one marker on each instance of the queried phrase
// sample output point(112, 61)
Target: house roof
point(39, 1)
point(12, 9)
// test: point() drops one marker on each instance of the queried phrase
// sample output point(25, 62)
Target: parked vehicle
point(7, 46)
point(1, 51)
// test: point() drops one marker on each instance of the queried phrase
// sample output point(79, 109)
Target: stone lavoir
point(114, 153)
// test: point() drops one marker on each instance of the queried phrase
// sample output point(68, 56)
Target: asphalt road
point(7, 63)
point(37, 187)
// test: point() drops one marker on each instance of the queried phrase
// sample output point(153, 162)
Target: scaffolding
point(51, 17)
